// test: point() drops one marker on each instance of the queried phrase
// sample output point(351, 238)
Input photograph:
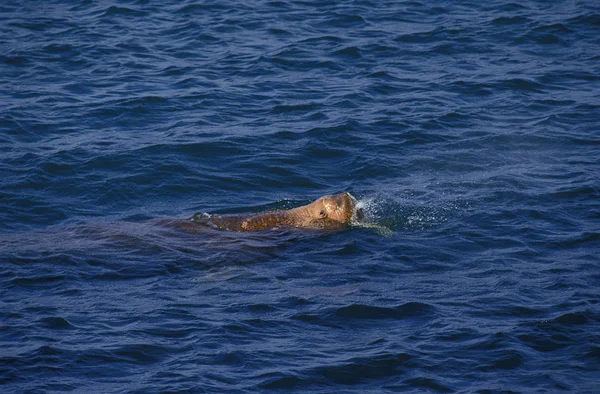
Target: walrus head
point(339, 208)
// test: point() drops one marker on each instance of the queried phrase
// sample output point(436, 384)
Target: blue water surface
point(469, 131)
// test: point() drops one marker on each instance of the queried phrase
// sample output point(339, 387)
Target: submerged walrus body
point(328, 212)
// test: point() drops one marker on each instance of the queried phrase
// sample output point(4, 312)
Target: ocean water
point(469, 131)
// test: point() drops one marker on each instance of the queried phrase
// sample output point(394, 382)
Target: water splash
point(388, 214)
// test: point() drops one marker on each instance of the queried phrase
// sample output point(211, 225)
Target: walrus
point(328, 212)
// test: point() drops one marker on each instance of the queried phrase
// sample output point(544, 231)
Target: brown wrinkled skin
point(328, 212)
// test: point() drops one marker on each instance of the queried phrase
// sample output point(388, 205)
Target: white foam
point(387, 214)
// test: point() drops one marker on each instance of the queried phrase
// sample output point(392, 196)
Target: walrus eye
point(322, 213)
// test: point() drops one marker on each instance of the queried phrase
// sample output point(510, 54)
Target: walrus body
point(328, 212)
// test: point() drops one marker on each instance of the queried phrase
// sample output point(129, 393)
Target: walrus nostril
point(360, 214)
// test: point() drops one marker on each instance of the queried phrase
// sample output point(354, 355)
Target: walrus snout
point(359, 214)
point(350, 202)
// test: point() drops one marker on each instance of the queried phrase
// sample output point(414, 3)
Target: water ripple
point(467, 131)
